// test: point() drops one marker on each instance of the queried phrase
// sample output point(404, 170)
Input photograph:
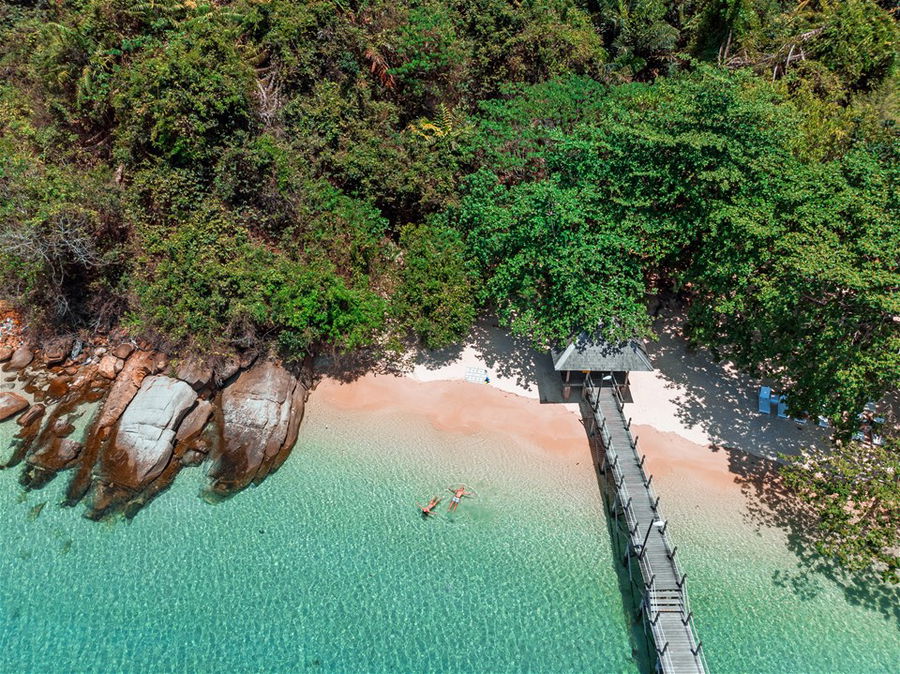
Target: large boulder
point(142, 446)
point(10, 404)
point(260, 413)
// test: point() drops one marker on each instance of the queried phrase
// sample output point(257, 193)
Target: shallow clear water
point(758, 608)
point(325, 566)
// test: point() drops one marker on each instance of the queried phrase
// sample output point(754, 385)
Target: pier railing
point(678, 648)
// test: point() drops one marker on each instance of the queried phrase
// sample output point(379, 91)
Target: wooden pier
point(651, 558)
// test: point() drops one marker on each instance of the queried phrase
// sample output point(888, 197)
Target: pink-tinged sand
point(463, 407)
point(673, 458)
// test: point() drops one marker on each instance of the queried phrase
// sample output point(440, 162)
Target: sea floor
point(327, 566)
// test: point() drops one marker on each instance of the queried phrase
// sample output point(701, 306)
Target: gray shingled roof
point(598, 355)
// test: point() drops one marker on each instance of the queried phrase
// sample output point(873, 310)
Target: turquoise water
point(758, 607)
point(326, 566)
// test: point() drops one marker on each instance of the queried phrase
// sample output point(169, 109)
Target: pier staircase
point(651, 558)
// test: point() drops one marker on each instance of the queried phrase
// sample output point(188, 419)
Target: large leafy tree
point(853, 491)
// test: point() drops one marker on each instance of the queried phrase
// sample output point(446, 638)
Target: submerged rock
point(10, 404)
point(259, 418)
point(34, 413)
point(142, 446)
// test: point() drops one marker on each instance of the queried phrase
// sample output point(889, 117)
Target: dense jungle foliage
point(337, 174)
point(333, 175)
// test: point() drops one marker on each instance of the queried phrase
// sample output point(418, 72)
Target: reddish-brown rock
point(195, 421)
point(34, 413)
point(57, 350)
point(109, 366)
point(125, 387)
point(6, 353)
point(21, 358)
point(123, 350)
point(260, 412)
point(10, 404)
point(195, 372)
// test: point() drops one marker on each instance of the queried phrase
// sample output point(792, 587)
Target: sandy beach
point(690, 413)
point(463, 407)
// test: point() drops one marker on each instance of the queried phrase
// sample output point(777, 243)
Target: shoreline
point(462, 407)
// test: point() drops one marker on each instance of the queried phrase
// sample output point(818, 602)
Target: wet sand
point(463, 407)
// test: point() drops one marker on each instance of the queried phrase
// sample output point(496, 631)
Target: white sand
point(704, 402)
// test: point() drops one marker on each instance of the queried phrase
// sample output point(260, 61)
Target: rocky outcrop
point(143, 443)
point(11, 404)
point(154, 420)
point(259, 416)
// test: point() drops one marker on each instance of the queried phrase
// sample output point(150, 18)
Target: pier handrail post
point(634, 442)
point(665, 524)
point(672, 555)
point(628, 425)
point(649, 480)
point(696, 651)
point(649, 583)
point(686, 620)
point(655, 504)
point(680, 583)
point(643, 458)
point(646, 538)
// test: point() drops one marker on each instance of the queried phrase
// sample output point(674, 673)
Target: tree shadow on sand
point(720, 400)
point(771, 504)
point(502, 354)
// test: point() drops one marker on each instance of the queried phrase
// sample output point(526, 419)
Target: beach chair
point(475, 375)
point(823, 422)
point(765, 400)
point(782, 407)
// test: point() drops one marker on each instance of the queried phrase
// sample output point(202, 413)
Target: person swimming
point(429, 509)
point(458, 493)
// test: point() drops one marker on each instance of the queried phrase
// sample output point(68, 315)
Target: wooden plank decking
point(665, 608)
